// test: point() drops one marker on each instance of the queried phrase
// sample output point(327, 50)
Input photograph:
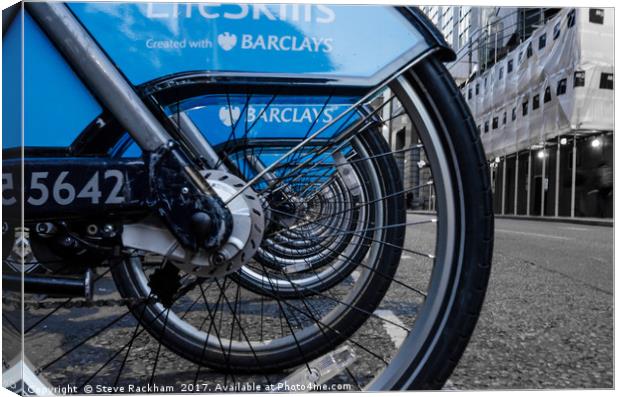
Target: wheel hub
point(245, 238)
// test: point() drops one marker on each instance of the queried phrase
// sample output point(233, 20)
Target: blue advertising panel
point(11, 85)
point(224, 118)
point(151, 40)
point(57, 105)
point(279, 119)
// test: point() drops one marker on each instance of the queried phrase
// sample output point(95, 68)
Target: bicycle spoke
point(83, 341)
point(133, 337)
point(309, 316)
point(215, 329)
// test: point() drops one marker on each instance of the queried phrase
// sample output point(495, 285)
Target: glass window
point(448, 23)
point(579, 79)
point(561, 90)
point(464, 25)
point(597, 15)
point(547, 97)
point(571, 18)
point(542, 41)
point(607, 81)
point(524, 111)
point(536, 102)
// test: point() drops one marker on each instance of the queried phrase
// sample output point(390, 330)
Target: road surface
point(546, 323)
point(548, 316)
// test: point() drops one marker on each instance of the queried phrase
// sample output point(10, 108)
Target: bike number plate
point(73, 185)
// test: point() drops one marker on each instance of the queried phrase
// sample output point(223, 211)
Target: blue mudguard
point(150, 42)
point(359, 45)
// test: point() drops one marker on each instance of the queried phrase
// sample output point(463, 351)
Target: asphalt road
point(546, 323)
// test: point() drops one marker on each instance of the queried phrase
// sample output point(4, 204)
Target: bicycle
point(226, 166)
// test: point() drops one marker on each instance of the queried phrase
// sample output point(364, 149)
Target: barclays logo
point(278, 114)
point(227, 41)
point(229, 115)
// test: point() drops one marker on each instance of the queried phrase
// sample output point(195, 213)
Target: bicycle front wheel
point(330, 270)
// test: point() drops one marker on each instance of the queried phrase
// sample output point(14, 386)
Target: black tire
point(460, 311)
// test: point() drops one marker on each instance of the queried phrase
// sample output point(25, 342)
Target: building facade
point(539, 83)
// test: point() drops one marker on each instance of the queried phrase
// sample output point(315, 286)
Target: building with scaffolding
point(539, 83)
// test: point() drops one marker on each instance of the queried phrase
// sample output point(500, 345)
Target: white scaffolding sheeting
point(558, 81)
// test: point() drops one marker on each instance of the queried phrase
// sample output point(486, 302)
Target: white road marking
point(407, 257)
point(534, 234)
point(396, 333)
point(580, 229)
point(449, 386)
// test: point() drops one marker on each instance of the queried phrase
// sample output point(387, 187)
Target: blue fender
point(431, 34)
point(341, 45)
point(349, 45)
